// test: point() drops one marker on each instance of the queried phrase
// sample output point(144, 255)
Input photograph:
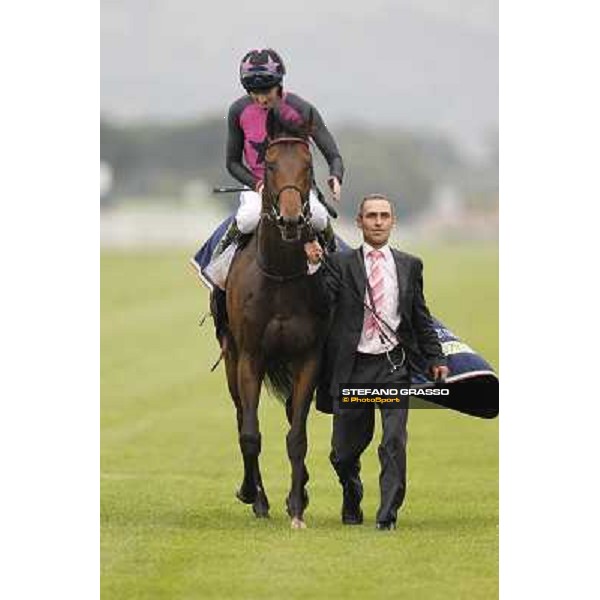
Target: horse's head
point(288, 178)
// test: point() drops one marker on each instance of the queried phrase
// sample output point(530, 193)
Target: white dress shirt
point(389, 310)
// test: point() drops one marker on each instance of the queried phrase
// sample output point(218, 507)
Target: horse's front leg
point(260, 504)
point(250, 373)
point(305, 376)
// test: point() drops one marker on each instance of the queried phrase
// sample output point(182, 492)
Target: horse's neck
point(277, 256)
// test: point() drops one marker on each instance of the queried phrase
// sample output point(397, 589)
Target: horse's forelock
point(278, 126)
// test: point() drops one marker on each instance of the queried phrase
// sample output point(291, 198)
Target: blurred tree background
point(167, 159)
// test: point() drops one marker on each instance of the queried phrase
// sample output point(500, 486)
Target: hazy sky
point(414, 63)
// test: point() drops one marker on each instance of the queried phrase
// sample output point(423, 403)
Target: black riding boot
point(232, 234)
point(328, 238)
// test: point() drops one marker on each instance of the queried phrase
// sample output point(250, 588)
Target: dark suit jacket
point(342, 292)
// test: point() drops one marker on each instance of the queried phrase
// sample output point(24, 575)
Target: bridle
point(272, 213)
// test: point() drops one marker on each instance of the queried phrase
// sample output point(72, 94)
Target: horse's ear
point(273, 123)
point(309, 126)
point(270, 124)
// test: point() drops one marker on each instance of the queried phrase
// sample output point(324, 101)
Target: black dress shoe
point(351, 512)
point(352, 518)
point(387, 526)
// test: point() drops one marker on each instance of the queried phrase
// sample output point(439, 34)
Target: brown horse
point(276, 328)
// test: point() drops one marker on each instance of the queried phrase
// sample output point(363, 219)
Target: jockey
point(261, 75)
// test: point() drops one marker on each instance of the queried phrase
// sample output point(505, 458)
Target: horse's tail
point(278, 379)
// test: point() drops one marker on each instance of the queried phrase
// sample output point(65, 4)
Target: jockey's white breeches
point(248, 214)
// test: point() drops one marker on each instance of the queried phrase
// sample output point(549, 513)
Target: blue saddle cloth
point(474, 382)
point(202, 257)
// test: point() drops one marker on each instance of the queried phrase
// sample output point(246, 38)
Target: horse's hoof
point(298, 523)
point(245, 497)
point(261, 510)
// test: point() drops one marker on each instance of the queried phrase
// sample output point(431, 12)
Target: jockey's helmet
point(261, 70)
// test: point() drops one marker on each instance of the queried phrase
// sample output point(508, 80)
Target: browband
point(289, 140)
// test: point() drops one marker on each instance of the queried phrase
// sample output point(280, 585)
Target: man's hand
point(259, 187)
point(336, 188)
point(440, 373)
point(314, 252)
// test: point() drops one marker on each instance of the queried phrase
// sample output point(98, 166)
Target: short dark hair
point(374, 197)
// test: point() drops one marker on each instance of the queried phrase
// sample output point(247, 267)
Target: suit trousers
point(353, 430)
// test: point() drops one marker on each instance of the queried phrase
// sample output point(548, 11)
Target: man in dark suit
point(381, 331)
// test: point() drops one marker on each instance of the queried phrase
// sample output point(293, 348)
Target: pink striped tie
point(376, 282)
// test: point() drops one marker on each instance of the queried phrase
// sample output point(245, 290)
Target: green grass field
point(171, 527)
